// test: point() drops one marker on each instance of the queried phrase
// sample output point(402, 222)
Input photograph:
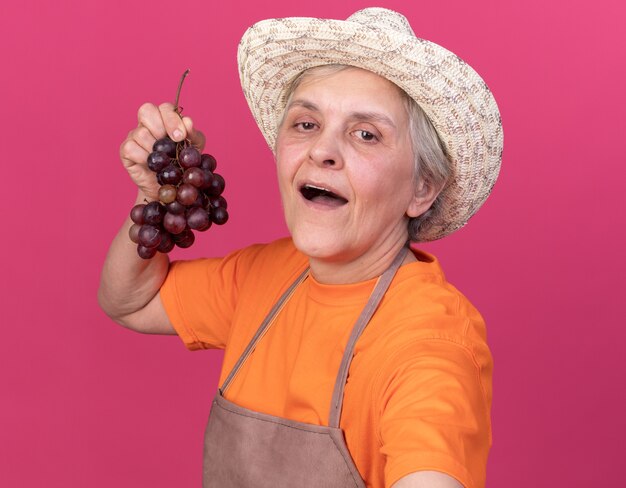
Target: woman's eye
point(365, 135)
point(306, 125)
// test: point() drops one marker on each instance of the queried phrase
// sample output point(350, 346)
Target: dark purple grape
point(165, 145)
point(194, 176)
point(208, 179)
point(218, 201)
point(219, 215)
point(174, 223)
point(167, 194)
point(157, 161)
point(200, 201)
point(159, 179)
point(217, 185)
point(171, 175)
point(176, 207)
point(184, 239)
point(187, 194)
point(167, 243)
point(198, 219)
point(146, 252)
point(189, 157)
point(133, 233)
point(208, 162)
point(153, 213)
point(150, 235)
point(136, 213)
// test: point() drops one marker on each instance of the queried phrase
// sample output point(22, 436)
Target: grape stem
point(177, 109)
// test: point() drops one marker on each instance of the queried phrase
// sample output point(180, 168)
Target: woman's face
point(346, 168)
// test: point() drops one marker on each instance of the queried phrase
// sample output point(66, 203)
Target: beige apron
point(244, 448)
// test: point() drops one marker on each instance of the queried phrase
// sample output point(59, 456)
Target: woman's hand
point(154, 123)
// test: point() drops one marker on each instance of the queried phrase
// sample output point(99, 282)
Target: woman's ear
point(424, 197)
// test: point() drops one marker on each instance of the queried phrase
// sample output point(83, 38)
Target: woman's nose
point(325, 150)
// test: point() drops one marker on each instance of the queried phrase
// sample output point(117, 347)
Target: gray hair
point(433, 165)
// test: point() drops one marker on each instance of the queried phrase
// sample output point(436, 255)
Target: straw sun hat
point(454, 97)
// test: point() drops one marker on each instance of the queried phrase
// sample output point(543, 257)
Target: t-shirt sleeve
point(435, 411)
point(200, 296)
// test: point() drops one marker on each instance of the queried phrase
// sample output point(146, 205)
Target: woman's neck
point(362, 268)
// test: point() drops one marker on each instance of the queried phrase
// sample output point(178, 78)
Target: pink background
point(87, 403)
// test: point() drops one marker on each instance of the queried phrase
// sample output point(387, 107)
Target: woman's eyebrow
point(302, 103)
point(361, 116)
point(373, 117)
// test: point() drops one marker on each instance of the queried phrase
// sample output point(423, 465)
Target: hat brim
point(454, 97)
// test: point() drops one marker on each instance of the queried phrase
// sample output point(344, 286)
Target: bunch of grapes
point(190, 197)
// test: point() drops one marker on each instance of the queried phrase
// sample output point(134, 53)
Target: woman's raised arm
point(129, 285)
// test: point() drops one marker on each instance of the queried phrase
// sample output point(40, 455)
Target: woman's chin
point(321, 247)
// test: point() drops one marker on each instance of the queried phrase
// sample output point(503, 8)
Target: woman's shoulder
point(425, 329)
point(422, 305)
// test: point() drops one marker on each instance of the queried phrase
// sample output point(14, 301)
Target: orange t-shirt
point(418, 394)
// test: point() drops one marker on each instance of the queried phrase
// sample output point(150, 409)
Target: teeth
point(313, 187)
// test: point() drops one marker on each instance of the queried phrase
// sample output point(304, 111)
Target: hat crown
point(382, 19)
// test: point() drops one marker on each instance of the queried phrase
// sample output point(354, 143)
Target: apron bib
point(244, 448)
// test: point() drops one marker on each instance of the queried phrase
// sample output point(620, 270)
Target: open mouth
point(322, 195)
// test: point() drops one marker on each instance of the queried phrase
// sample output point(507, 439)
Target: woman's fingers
point(172, 122)
point(134, 158)
point(131, 153)
point(149, 116)
point(155, 122)
point(144, 138)
point(163, 120)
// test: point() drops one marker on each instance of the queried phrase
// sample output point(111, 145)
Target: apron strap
point(263, 328)
point(372, 304)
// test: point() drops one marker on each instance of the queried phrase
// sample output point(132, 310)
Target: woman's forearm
point(128, 283)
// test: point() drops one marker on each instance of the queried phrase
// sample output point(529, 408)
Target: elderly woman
point(349, 359)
